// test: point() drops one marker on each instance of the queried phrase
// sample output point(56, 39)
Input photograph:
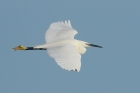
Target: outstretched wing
point(59, 31)
point(66, 57)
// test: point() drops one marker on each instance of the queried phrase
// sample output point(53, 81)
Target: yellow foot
point(20, 47)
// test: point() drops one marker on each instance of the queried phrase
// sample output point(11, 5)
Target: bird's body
point(78, 44)
point(62, 46)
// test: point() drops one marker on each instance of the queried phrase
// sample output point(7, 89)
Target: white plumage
point(62, 46)
point(65, 54)
point(60, 31)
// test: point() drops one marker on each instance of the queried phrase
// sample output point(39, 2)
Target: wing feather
point(66, 57)
point(59, 31)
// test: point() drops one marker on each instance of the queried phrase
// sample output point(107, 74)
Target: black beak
point(93, 45)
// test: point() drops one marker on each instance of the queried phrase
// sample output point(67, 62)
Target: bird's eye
point(87, 43)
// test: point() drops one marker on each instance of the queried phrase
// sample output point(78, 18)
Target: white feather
point(66, 57)
point(62, 46)
point(59, 31)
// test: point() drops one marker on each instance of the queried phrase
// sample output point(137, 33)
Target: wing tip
point(67, 22)
point(75, 70)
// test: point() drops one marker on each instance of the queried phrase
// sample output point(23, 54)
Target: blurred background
point(113, 24)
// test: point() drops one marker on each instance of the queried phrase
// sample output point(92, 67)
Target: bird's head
point(92, 45)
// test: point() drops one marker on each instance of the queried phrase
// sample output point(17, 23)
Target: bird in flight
point(61, 45)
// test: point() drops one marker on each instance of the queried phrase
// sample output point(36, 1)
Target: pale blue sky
point(113, 24)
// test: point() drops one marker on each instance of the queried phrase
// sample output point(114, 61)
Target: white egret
point(62, 46)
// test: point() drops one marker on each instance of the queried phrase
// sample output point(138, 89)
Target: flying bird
point(61, 45)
